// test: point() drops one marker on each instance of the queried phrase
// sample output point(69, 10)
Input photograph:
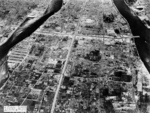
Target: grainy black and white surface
point(92, 56)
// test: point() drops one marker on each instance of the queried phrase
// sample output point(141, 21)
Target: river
point(138, 29)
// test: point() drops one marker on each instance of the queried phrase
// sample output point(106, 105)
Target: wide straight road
point(66, 62)
point(138, 29)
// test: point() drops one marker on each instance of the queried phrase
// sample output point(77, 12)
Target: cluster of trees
point(93, 56)
point(131, 2)
point(14, 10)
point(108, 18)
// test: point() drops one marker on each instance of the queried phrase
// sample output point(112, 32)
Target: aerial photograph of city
point(74, 56)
